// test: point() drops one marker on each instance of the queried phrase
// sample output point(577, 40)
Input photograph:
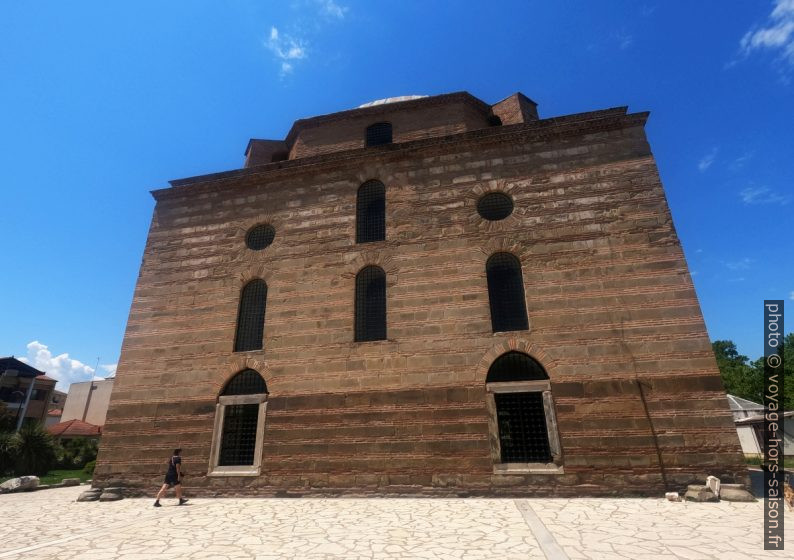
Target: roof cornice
point(557, 127)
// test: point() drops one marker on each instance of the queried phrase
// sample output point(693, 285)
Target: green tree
point(76, 452)
point(788, 371)
point(739, 377)
point(746, 379)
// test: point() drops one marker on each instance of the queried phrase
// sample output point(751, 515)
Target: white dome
point(391, 100)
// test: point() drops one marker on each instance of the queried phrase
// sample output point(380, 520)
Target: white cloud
point(740, 161)
point(110, 368)
point(763, 195)
point(706, 161)
point(791, 295)
point(776, 35)
point(625, 41)
point(286, 49)
point(61, 367)
point(332, 9)
point(742, 264)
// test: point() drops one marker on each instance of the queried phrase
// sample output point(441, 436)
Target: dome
point(391, 100)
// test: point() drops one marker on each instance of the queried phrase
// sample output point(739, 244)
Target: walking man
point(172, 478)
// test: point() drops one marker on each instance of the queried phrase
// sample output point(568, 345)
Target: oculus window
point(259, 237)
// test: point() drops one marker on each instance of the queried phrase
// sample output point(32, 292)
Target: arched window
point(251, 316)
point(239, 426)
point(522, 414)
point(371, 212)
point(370, 304)
point(506, 293)
point(378, 133)
point(494, 120)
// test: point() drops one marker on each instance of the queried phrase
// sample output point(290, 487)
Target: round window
point(495, 206)
point(259, 237)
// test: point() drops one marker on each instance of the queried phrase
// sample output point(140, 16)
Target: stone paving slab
point(51, 524)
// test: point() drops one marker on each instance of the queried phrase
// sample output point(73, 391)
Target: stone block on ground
point(110, 497)
point(700, 493)
point(70, 482)
point(90, 495)
point(20, 484)
point(735, 493)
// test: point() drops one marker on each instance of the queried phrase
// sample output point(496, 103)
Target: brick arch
point(253, 272)
point(517, 344)
point(370, 172)
point(501, 244)
point(383, 259)
point(238, 364)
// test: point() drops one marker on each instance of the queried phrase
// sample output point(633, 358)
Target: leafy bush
point(8, 452)
point(35, 452)
point(75, 453)
point(89, 467)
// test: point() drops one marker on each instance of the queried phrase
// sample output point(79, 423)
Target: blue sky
point(101, 102)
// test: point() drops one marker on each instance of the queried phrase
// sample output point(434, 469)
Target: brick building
point(422, 295)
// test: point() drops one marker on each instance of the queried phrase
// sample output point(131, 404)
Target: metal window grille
point(515, 366)
point(251, 316)
point(523, 436)
point(371, 212)
point(378, 134)
point(371, 304)
point(260, 237)
point(506, 293)
point(247, 382)
point(495, 206)
point(239, 434)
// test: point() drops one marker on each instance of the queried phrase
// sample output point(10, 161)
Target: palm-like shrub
point(8, 452)
point(35, 450)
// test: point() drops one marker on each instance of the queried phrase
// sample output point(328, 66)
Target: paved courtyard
point(51, 524)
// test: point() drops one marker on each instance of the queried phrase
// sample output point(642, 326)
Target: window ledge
point(234, 472)
point(528, 468)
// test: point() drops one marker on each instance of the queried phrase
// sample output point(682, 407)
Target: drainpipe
point(25, 406)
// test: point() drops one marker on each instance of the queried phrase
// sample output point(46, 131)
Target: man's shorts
point(171, 481)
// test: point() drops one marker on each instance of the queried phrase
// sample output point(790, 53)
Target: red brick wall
point(609, 300)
